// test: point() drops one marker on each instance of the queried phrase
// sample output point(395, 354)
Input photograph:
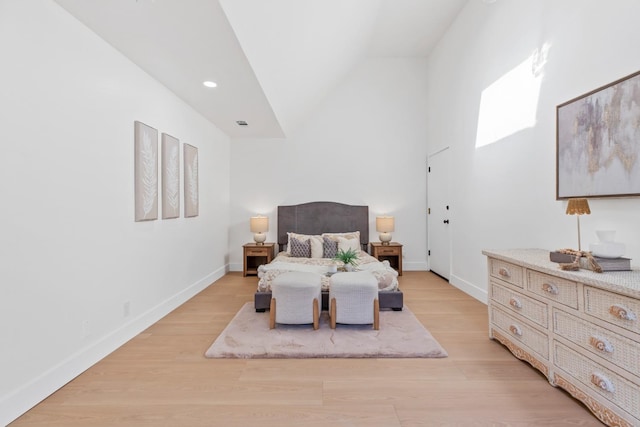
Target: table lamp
point(384, 226)
point(259, 226)
point(578, 207)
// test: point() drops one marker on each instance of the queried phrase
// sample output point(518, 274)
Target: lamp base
point(385, 238)
point(259, 238)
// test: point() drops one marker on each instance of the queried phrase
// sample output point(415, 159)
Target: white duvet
point(387, 277)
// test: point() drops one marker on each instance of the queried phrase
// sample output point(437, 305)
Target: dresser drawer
point(508, 272)
point(610, 346)
point(525, 306)
point(597, 379)
point(520, 331)
point(553, 288)
point(612, 308)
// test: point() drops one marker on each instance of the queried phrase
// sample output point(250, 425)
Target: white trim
point(469, 288)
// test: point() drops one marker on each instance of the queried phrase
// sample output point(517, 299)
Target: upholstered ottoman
point(295, 299)
point(353, 299)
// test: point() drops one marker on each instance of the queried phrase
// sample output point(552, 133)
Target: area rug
point(248, 337)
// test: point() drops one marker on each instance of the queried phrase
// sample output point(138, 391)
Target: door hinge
point(429, 252)
point(429, 168)
point(428, 211)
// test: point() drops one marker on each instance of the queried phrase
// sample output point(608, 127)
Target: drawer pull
point(602, 382)
point(504, 272)
point(622, 312)
point(388, 252)
point(515, 330)
point(515, 302)
point(601, 344)
point(550, 288)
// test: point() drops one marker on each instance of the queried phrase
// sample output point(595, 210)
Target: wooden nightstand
point(391, 252)
point(255, 255)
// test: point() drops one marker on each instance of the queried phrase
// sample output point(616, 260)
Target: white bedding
point(387, 277)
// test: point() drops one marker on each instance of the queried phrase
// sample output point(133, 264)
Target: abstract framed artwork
point(170, 177)
point(191, 202)
point(598, 142)
point(146, 172)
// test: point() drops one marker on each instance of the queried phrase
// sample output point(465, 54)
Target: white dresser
point(579, 328)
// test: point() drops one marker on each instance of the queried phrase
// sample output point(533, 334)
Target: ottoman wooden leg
point(272, 314)
point(332, 313)
point(376, 314)
point(316, 314)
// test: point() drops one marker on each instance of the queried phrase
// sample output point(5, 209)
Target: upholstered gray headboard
point(323, 217)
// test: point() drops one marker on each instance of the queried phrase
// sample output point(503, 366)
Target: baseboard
point(469, 288)
point(32, 393)
point(415, 266)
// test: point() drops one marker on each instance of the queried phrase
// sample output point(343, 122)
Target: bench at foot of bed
point(388, 300)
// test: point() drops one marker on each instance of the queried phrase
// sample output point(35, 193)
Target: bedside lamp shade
point(578, 207)
point(259, 226)
point(384, 226)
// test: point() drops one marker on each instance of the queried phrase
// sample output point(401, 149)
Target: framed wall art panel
point(191, 202)
point(598, 142)
point(170, 177)
point(146, 172)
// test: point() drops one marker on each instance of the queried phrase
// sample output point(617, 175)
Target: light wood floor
point(161, 378)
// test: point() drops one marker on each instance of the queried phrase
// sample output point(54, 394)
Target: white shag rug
point(248, 336)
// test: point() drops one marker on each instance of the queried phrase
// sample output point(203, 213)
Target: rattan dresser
point(580, 329)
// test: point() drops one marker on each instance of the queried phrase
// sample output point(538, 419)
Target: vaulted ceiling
point(272, 60)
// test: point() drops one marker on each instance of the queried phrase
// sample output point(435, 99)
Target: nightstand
point(255, 255)
point(391, 252)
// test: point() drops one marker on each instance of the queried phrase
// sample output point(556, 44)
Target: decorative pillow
point(329, 248)
point(314, 241)
point(346, 244)
point(300, 248)
point(349, 235)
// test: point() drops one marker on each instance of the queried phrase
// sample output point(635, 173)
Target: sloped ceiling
point(273, 60)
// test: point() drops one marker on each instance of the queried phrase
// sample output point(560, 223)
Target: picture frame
point(170, 177)
point(146, 172)
point(191, 195)
point(598, 142)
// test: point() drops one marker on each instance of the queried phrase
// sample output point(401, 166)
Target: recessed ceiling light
point(210, 84)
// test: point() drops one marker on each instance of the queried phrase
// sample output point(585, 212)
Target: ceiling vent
point(242, 123)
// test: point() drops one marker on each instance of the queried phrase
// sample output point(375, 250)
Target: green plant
point(349, 256)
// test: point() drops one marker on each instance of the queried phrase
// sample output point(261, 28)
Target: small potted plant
point(348, 257)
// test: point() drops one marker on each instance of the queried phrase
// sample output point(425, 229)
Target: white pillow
point(349, 235)
point(316, 243)
point(346, 244)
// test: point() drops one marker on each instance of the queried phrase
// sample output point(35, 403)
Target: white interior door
point(438, 209)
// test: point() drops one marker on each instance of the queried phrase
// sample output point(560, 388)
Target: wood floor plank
point(161, 377)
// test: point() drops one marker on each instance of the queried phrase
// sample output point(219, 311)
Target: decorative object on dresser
point(607, 247)
point(597, 145)
point(385, 225)
point(259, 225)
point(580, 329)
point(578, 207)
point(391, 252)
point(255, 255)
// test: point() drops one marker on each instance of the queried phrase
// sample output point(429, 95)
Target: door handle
point(446, 221)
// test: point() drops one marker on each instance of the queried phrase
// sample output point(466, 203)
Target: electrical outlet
point(126, 308)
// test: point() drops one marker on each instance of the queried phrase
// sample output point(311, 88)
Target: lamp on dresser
point(259, 226)
point(578, 207)
point(384, 226)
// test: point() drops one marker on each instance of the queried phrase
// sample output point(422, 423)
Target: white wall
point(365, 144)
point(71, 252)
point(503, 194)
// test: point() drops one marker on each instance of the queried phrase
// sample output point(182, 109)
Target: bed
point(337, 222)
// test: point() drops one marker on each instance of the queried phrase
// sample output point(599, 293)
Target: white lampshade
point(385, 225)
point(259, 225)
